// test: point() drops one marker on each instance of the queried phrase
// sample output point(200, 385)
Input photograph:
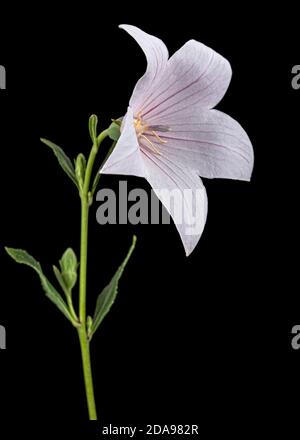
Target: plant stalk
point(82, 330)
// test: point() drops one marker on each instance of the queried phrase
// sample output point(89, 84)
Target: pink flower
point(171, 135)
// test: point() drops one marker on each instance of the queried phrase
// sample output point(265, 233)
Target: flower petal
point(195, 76)
point(157, 57)
point(209, 142)
point(126, 157)
point(183, 195)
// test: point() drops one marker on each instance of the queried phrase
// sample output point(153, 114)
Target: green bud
point(93, 122)
point(80, 167)
point(89, 324)
point(68, 266)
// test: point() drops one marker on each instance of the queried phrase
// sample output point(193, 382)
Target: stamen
point(158, 137)
point(162, 128)
point(142, 129)
point(151, 144)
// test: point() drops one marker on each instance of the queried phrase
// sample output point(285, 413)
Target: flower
point(171, 134)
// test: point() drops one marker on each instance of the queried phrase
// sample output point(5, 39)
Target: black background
point(204, 339)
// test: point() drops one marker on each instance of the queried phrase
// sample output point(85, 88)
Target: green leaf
point(93, 122)
point(108, 295)
point(23, 257)
point(68, 266)
point(63, 160)
point(114, 130)
point(61, 281)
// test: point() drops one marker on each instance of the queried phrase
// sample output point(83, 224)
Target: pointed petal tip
point(190, 247)
point(188, 252)
point(128, 27)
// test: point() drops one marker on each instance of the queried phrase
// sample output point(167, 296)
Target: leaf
point(114, 130)
point(63, 160)
point(61, 281)
point(93, 122)
point(108, 295)
point(23, 257)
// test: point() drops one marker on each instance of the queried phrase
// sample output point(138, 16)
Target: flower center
point(143, 131)
point(140, 126)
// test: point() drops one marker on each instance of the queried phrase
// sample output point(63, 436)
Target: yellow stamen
point(158, 137)
point(151, 144)
point(141, 128)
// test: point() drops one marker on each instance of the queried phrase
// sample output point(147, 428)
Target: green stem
point(87, 373)
point(83, 258)
point(82, 331)
point(97, 177)
point(71, 308)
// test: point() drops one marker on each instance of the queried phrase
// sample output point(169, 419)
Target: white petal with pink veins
point(182, 193)
point(157, 57)
point(210, 142)
point(195, 76)
point(126, 157)
point(171, 135)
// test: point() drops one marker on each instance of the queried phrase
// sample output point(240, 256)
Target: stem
point(97, 178)
point(72, 310)
point(87, 373)
point(83, 258)
point(82, 331)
